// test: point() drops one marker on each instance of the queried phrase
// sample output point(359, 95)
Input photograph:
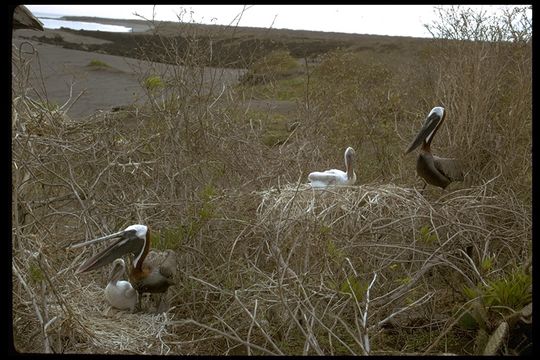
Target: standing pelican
point(119, 293)
point(153, 272)
point(433, 169)
point(335, 177)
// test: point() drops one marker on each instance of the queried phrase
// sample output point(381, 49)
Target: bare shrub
point(266, 265)
point(277, 64)
point(483, 78)
point(343, 265)
point(352, 93)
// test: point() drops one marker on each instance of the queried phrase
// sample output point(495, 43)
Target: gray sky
point(396, 20)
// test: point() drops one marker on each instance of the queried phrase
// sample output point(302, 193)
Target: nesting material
point(392, 213)
point(298, 201)
point(116, 331)
point(85, 323)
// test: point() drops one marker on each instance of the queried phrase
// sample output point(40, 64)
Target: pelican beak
point(127, 242)
point(429, 126)
point(117, 270)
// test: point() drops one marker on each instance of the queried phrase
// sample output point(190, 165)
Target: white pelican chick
point(331, 177)
point(119, 293)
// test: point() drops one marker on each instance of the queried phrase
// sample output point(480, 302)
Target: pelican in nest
point(153, 272)
point(119, 293)
point(326, 178)
point(24, 19)
point(433, 169)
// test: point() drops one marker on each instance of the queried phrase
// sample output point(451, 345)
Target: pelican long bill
point(106, 237)
point(127, 242)
point(433, 119)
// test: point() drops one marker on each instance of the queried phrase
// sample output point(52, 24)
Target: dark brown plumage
point(434, 170)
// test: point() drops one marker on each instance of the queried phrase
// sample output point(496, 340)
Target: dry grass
point(266, 264)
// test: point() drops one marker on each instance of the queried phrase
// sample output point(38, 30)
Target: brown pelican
point(434, 170)
point(153, 272)
point(335, 177)
point(119, 293)
point(23, 19)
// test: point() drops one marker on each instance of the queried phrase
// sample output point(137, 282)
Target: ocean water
point(53, 21)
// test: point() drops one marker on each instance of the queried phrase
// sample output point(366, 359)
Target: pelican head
point(133, 239)
point(349, 162)
point(430, 126)
point(117, 271)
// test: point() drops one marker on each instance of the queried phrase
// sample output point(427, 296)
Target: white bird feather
point(322, 179)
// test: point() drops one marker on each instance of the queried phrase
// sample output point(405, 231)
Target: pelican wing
point(322, 178)
point(121, 295)
point(451, 168)
point(130, 292)
point(164, 261)
point(328, 177)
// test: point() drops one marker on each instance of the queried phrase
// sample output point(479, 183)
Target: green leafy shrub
point(275, 65)
point(513, 291)
point(153, 82)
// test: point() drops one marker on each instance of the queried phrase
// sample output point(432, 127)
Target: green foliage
point(512, 291)
point(202, 211)
point(266, 71)
point(474, 316)
point(357, 101)
point(288, 89)
point(468, 321)
point(335, 254)
point(487, 263)
point(426, 236)
point(206, 211)
point(471, 292)
point(274, 126)
point(354, 287)
point(208, 192)
point(291, 89)
point(325, 230)
point(35, 273)
point(153, 82)
point(98, 63)
point(168, 238)
point(488, 302)
point(405, 280)
point(276, 63)
point(350, 75)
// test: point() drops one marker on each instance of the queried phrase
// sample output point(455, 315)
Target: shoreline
point(136, 25)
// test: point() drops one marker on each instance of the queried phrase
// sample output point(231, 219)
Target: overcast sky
point(396, 20)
